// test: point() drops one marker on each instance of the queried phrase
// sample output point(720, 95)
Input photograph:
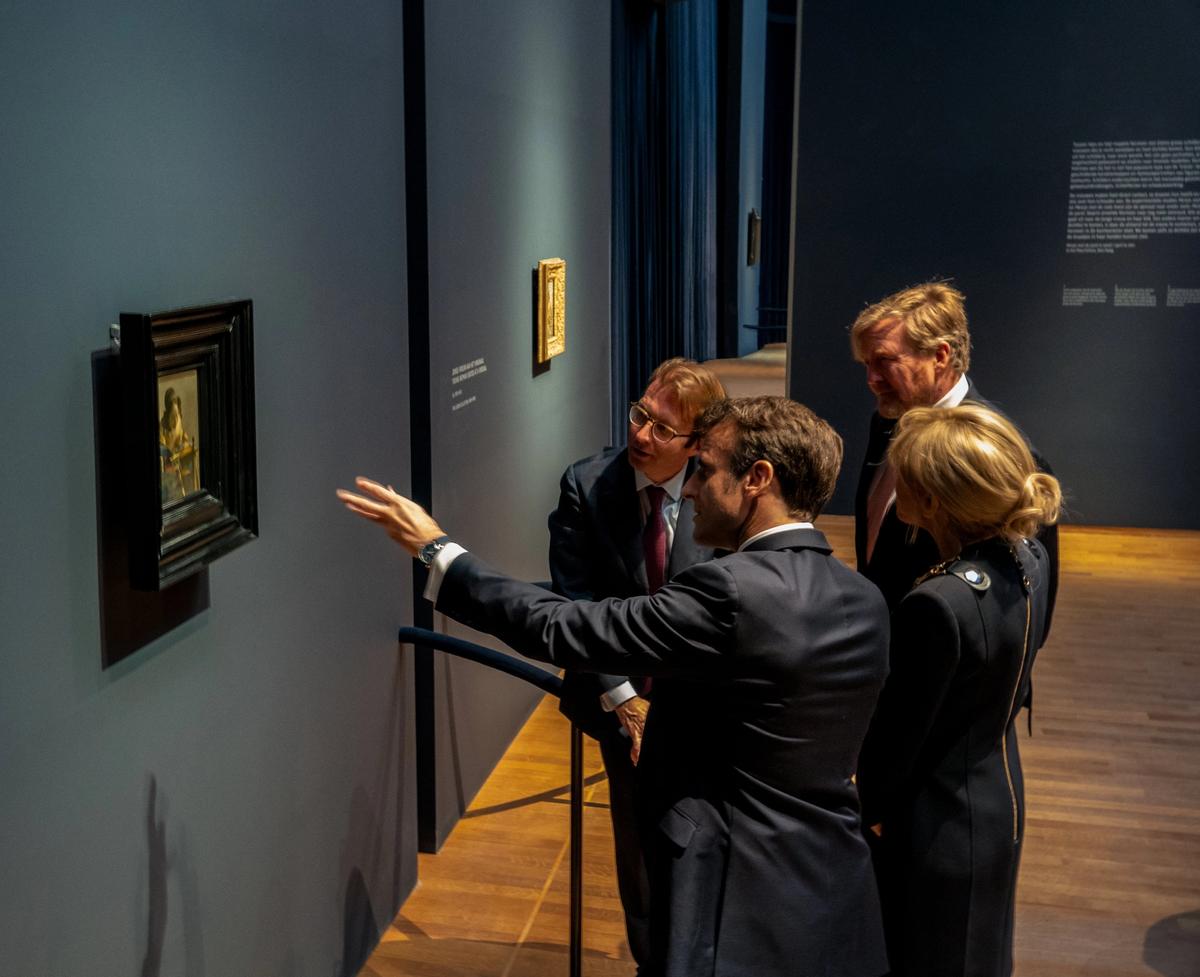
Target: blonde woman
point(939, 775)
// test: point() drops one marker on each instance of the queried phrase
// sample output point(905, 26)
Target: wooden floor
point(1110, 881)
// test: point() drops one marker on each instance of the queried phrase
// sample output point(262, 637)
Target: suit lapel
point(620, 511)
point(877, 444)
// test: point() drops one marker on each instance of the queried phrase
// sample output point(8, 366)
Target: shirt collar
point(781, 528)
point(673, 486)
point(956, 394)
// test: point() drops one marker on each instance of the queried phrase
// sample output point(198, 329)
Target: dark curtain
point(775, 257)
point(664, 189)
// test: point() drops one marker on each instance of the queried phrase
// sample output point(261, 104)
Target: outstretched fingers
point(384, 497)
point(360, 506)
point(402, 518)
point(380, 491)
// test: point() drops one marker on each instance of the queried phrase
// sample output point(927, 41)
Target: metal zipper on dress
point(1012, 793)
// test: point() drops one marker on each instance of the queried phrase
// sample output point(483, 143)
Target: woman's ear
point(930, 507)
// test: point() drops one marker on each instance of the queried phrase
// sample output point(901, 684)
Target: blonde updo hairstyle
point(976, 464)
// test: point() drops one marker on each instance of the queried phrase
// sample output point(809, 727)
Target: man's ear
point(760, 477)
point(941, 356)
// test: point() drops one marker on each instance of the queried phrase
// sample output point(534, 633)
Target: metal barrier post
point(521, 669)
point(576, 948)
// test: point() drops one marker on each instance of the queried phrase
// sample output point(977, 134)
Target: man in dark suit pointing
point(622, 529)
point(758, 866)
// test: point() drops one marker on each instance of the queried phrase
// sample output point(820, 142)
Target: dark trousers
point(632, 880)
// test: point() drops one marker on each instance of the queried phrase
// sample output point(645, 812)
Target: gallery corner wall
point(238, 797)
point(519, 169)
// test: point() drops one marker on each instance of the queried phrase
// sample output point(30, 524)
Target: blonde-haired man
point(916, 349)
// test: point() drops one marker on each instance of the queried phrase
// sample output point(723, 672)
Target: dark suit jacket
point(895, 562)
point(596, 552)
point(940, 767)
point(758, 866)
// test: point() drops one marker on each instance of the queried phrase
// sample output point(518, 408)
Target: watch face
point(429, 551)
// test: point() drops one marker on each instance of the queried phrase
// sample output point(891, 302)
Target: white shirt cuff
point(617, 696)
point(438, 567)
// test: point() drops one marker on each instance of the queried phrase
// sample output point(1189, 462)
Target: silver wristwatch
point(431, 549)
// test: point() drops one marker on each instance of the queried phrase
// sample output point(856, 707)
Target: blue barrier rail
point(518, 667)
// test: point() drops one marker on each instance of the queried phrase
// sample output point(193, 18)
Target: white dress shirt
point(673, 487)
point(783, 527)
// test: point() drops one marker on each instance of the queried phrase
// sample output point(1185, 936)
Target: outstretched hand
point(405, 521)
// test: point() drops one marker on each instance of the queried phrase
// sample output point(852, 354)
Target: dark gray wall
point(519, 169)
point(235, 799)
point(940, 144)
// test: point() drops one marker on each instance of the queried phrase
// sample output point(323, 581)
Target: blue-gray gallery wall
point(937, 140)
point(237, 798)
point(519, 167)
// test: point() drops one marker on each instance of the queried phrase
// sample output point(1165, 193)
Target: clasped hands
point(402, 519)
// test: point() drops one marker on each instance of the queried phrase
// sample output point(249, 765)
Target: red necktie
point(878, 503)
point(654, 539)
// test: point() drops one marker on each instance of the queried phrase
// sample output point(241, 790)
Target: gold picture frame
point(552, 308)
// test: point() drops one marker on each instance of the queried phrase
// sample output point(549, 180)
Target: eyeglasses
point(639, 417)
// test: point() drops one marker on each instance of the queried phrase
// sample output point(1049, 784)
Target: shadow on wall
point(156, 844)
point(160, 863)
point(363, 851)
point(460, 789)
point(361, 932)
point(1172, 946)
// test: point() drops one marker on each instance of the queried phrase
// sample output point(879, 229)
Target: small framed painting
point(552, 308)
point(187, 381)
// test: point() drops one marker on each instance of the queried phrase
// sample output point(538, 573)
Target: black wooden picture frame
point(188, 390)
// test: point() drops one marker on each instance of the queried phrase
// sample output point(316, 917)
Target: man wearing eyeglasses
point(768, 662)
point(622, 529)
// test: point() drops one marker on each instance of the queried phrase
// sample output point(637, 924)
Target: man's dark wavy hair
point(804, 450)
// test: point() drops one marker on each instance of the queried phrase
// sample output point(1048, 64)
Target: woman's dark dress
point(939, 767)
